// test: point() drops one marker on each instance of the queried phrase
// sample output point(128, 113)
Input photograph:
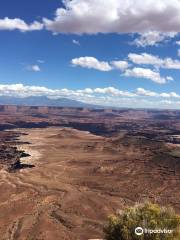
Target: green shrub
point(148, 216)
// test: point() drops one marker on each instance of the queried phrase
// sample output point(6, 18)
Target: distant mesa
point(44, 101)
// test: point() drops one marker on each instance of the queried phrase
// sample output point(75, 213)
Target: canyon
point(63, 171)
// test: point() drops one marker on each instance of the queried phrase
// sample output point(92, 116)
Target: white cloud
point(143, 92)
point(86, 90)
point(91, 63)
point(108, 96)
point(174, 95)
point(34, 68)
point(76, 42)
point(23, 91)
point(115, 16)
point(171, 64)
point(138, 72)
point(145, 73)
point(153, 38)
point(19, 24)
point(178, 43)
point(169, 78)
point(145, 58)
point(114, 92)
point(148, 59)
point(121, 65)
point(165, 95)
point(148, 93)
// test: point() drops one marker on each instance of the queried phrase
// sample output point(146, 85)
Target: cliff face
point(38, 109)
point(153, 124)
point(10, 156)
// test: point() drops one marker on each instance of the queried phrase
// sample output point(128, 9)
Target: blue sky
point(84, 51)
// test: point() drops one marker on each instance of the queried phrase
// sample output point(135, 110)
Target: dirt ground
point(78, 180)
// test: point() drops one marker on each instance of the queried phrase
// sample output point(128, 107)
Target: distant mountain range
point(44, 101)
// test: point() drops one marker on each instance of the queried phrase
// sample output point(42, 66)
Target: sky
point(122, 53)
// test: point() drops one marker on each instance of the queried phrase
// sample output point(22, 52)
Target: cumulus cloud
point(19, 24)
point(143, 92)
point(148, 59)
point(154, 20)
point(91, 63)
point(171, 64)
point(148, 93)
point(108, 96)
point(124, 66)
point(114, 92)
point(153, 38)
point(121, 65)
point(21, 90)
point(145, 58)
point(115, 16)
point(145, 73)
point(34, 68)
point(178, 43)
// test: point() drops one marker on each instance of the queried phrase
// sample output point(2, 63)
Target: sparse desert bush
point(147, 216)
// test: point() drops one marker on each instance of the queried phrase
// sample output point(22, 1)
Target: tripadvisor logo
point(140, 231)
